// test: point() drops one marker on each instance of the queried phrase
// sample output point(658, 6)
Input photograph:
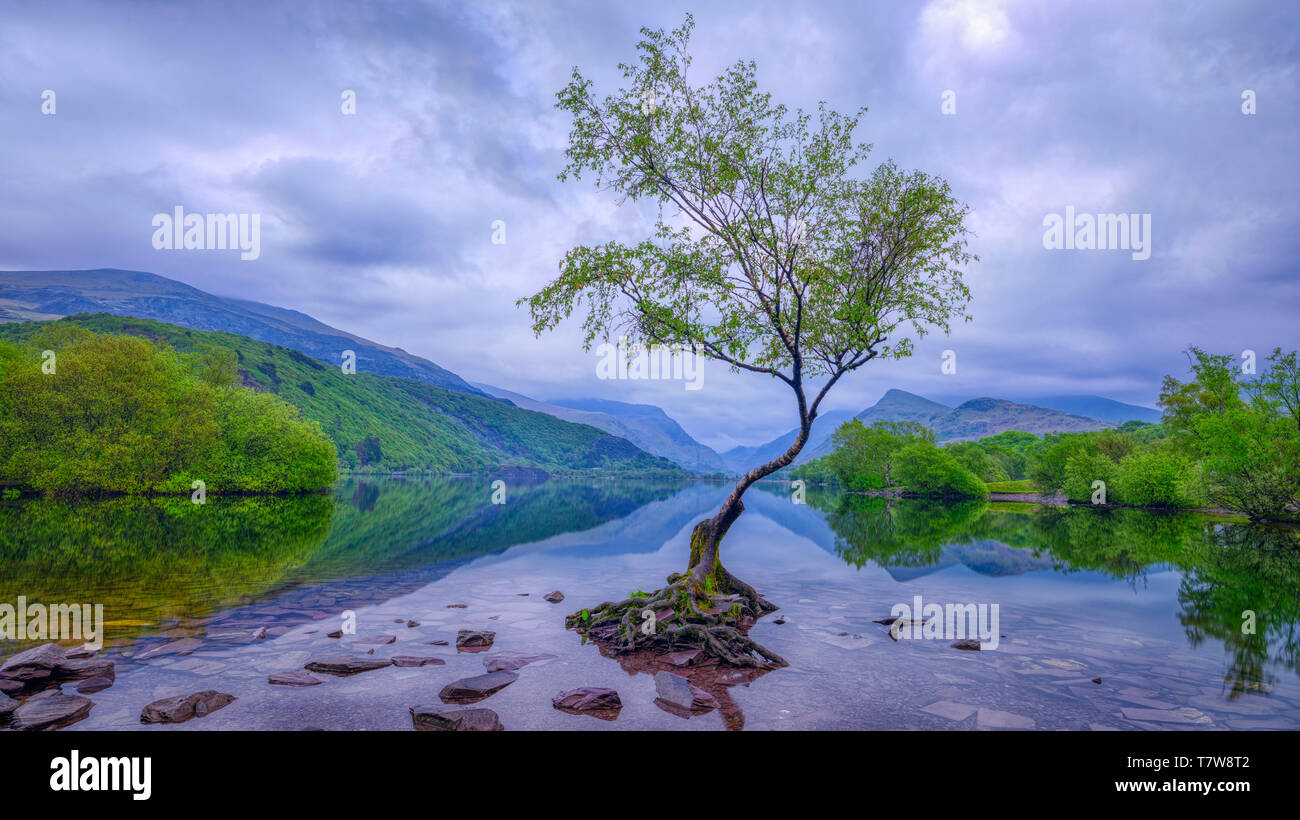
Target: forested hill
point(390, 423)
point(51, 294)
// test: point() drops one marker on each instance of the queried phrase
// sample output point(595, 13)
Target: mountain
point(645, 425)
point(982, 417)
point(406, 424)
point(1115, 412)
point(28, 294)
point(970, 420)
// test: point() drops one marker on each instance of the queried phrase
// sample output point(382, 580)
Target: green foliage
point(1248, 446)
point(122, 414)
point(925, 469)
point(418, 427)
point(863, 456)
point(771, 252)
point(1157, 477)
point(816, 471)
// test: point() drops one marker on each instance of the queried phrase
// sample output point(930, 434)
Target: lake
point(1151, 605)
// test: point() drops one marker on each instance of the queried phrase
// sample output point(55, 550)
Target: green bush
point(1155, 477)
point(117, 413)
point(924, 469)
point(1082, 468)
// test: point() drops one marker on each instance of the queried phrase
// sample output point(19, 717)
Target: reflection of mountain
point(392, 525)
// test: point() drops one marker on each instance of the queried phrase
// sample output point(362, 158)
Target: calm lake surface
point(1152, 605)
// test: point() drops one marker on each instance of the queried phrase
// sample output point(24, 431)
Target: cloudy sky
point(381, 222)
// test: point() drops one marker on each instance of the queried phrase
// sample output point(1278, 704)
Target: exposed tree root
point(712, 612)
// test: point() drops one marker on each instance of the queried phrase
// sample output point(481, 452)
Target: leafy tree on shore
point(769, 255)
point(115, 413)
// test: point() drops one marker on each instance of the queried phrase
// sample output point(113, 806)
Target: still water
point(1150, 605)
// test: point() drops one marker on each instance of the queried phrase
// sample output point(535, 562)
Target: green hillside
point(389, 423)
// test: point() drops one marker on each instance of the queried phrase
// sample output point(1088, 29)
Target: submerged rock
point(594, 700)
point(375, 640)
point(685, 658)
point(511, 661)
point(182, 647)
point(442, 719)
point(298, 677)
point(473, 638)
point(678, 691)
point(343, 665)
point(184, 707)
point(471, 690)
point(417, 660)
point(50, 709)
point(969, 644)
point(554, 597)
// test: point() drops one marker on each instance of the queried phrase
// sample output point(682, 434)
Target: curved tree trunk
point(705, 566)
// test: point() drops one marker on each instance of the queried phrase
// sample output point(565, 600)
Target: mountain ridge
point(52, 294)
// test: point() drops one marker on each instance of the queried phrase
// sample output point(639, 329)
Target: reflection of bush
point(1227, 568)
point(146, 559)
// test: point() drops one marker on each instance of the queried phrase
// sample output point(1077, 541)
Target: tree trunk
point(705, 565)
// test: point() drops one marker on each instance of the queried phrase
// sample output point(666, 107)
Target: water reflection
point(1228, 569)
point(167, 567)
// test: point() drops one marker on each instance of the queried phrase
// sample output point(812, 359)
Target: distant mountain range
point(1115, 412)
point(44, 295)
point(645, 425)
point(50, 294)
point(969, 420)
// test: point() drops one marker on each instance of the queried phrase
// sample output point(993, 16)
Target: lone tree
point(768, 255)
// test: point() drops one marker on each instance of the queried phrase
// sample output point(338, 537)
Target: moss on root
point(712, 614)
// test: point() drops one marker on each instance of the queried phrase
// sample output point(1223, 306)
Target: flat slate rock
point(182, 647)
point(685, 658)
point(37, 663)
point(86, 669)
point(511, 661)
point(298, 677)
point(442, 719)
point(554, 597)
point(589, 699)
point(185, 707)
point(342, 665)
point(474, 638)
point(471, 690)
point(680, 692)
point(417, 660)
point(50, 709)
point(90, 686)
